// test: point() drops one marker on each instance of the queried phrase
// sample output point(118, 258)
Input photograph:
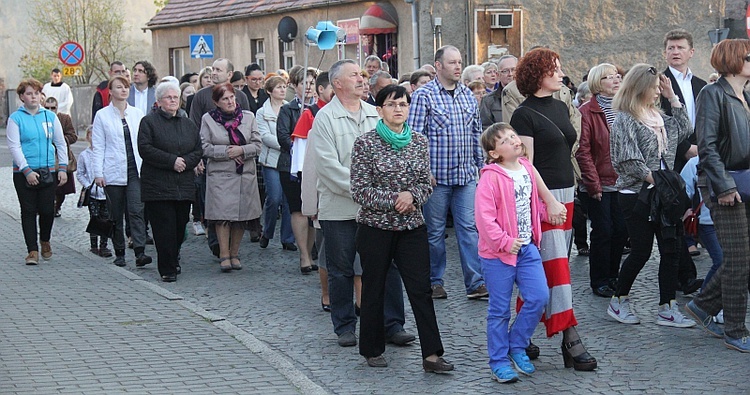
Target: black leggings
point(35, 202)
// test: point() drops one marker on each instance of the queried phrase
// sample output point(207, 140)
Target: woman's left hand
point(179, 164)
point(556, 213)
point(62, 178)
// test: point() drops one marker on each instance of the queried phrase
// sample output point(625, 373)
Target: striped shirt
point(452, 126)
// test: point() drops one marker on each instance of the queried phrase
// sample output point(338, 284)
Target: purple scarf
point(231, 123)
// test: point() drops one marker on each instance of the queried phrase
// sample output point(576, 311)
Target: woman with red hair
point(544, 127)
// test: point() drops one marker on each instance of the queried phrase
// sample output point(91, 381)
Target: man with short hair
point(101, 97)
point(59, 90)
point(372, 64)
point(143, 89)
point(254, 91)
point(446, 111)
point(678, 50)
point(378, 81)
point(491, 109)
point(221, 72)
point(330, 144)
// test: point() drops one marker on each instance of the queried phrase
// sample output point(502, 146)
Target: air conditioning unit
point(501, 21)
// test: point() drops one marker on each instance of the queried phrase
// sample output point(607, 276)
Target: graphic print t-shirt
point(522, 186)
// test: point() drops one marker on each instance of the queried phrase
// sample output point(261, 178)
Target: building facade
point(585, 32)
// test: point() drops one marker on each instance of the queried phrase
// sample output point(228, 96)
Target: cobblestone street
point(79, 324)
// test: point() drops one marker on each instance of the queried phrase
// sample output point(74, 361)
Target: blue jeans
point(707, 234)
point(529, 275)
point(275, 198)
point(460, 199)
point(340, 249)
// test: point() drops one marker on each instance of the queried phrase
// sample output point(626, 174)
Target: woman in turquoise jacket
point(32, 133)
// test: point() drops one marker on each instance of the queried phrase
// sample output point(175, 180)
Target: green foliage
point(97, 25)
point(160, 4)
point(38, 65)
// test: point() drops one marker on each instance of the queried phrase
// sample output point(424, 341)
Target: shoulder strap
point(545, 117)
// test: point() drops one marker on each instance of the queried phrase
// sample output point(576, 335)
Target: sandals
point(235, 265)
point(226, 264)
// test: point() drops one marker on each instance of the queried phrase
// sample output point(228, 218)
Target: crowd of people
point(364, 173)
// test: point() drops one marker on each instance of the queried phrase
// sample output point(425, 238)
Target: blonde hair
point(634, 90)
point(596, 74)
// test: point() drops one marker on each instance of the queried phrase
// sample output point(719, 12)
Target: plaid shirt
point(452, 127)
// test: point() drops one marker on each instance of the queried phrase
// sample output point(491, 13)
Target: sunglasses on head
point(652, 70)
point(747, 58)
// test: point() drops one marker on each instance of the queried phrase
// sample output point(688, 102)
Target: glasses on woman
point(612, 77)
point(51, 108)
point(391, 106)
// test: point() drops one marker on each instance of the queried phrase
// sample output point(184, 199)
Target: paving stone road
point(79, 324)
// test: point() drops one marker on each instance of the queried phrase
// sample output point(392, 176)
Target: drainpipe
point(415, 32)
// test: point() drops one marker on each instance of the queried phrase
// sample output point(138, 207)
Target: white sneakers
point(198, 228)
point(619, 309)
point(669, 314)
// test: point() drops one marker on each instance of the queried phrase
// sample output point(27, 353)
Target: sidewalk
point(74, 325)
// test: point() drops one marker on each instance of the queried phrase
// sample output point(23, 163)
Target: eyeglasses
point(747, 58)
point(392, 106)
point(652, 70)
point(507, 71)
point(51, 108)
point(612, 77)
point(256, 79)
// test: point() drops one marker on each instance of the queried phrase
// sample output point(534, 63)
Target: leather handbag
point(84, 198)
point(100, 223)
point(741, 180)
point(45, 179)
point(690, 223)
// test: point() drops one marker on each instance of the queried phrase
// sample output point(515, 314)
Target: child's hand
point(556, 213)
point(516, 246)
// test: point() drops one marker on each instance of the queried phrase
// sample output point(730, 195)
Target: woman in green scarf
point(390, 179)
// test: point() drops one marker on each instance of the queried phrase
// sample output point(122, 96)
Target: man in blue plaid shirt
point(447, 113)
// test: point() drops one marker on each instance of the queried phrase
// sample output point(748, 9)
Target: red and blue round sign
point(70, 53)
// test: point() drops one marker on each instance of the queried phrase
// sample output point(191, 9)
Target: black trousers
point(168, 221)
point(410, 250)
point(35, 202)
point(642, 234)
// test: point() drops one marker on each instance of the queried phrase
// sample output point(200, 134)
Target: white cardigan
point(108, 140)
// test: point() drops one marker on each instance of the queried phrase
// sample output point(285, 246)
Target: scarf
point(653, 120)
point(231, 123)
point(395, 140)
point(605, 103)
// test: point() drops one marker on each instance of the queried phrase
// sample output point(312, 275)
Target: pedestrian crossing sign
point(201, 46)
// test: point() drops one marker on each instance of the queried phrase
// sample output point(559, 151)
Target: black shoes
point(169, 279)
point(289, 246)
point(306, 270)
point(604, 291)
point(142, 260)
point(439, 366)
point(263, 241)
point(401, 338)
point(532, 351)
point(584, 362)
point(119, 260)
point(691, 286)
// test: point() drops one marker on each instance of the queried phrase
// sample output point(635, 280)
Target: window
point(177, 60)
point(286, 50)
point(258, 53)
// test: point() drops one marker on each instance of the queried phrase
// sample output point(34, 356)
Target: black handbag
point(100, 223)
point(84, 198)
point(741, 180)
point(45, 179)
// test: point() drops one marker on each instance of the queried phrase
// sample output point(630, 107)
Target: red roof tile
point(188, 12)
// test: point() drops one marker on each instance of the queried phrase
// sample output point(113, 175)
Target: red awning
point(380, 18)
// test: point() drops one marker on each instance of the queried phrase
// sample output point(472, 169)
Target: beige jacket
point(512, 98)
point(230, 196)
point(328, 160)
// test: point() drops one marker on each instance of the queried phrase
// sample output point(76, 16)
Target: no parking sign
point(70, 53)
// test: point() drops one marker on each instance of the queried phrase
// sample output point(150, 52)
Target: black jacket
point(683, 147)
point(161, 139)
point(665, 203)
point(288, 116)
point(722, 126)
point(255, 104)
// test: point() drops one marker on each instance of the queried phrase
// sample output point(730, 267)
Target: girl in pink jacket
point(508, 212)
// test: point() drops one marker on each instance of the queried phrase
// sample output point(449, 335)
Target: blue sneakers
point(741, 345)
point(704, 320)
point(505, 374)
point(522, 363)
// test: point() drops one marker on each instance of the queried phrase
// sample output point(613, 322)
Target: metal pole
point(415, 34)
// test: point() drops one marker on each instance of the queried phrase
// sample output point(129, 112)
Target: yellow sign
point(72, 71)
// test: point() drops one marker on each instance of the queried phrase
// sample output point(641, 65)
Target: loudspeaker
point(325, 35)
